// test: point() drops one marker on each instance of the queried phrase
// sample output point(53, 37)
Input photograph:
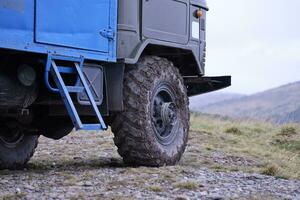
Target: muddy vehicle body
point(128, 64)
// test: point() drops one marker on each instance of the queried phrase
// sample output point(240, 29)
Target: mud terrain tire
point(153, 129)
point(16, 152)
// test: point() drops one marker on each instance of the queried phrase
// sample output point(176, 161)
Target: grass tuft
point(271, 170)
point(288, 139)
point(234, 130)
point(288, 131)
point(15, 196)
point(155, 188)
point(189, 185)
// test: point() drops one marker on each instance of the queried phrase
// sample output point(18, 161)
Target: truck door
point(78, 24)
point(166, 20)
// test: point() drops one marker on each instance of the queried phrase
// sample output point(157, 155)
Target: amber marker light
point(198, 13)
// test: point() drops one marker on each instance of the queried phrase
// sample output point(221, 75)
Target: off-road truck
point(128, 64)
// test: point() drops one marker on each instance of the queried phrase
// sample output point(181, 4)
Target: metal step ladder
point(65, 91)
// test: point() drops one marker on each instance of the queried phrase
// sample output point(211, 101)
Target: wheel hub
point(168, 113)
point(164, 114)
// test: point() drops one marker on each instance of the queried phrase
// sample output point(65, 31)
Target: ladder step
point(75, 89)
point(91, 127)
point(66, 70)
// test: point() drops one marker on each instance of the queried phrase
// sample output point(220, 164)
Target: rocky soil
point(87, 166)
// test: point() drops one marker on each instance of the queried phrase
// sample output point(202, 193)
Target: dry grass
point(271, 170)
point(275, 148)
point(188, 185)
point(15, 196)
point(233, 130)
point(155, 188)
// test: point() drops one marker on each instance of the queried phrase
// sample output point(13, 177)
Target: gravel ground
point(87, 166)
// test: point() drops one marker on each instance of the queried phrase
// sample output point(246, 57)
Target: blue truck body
point(70, 31)
point(70, 27)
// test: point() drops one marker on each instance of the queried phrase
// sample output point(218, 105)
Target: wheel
point(16, 146)
point(153, 129)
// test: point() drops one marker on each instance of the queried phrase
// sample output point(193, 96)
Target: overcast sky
point(255, 41)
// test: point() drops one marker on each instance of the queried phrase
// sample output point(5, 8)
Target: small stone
point(213, 197)
point(53, 164)
point(77, 158)
point(29, 187)
point(204, 193)
point(181, 198)
point(85, 184)
point(18, 190)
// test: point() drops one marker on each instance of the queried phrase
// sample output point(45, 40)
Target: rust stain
point(16, 5)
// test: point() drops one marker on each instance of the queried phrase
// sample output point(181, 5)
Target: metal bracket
point(108, 33)
point(25, 112)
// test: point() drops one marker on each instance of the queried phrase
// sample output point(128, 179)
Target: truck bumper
point(201, 85)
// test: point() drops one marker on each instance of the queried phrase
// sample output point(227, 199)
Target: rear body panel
point(69, 27)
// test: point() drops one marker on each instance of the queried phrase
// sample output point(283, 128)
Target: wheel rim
point(11, 137)
point(164, 114)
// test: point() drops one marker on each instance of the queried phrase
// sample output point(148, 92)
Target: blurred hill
point(279, 105)
point(200, 102)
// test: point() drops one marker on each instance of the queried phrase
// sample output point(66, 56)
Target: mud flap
point(201, 85)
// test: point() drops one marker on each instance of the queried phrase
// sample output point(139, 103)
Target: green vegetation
point(156, 188)
point(188, 185)
point(249, 146)
point(271, 170)
point(233, 130)
point(15, 196)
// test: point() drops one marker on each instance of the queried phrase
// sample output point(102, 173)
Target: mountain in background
point(198, 103)
point(279, 105)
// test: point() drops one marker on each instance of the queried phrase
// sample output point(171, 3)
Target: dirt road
point(87, 166)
